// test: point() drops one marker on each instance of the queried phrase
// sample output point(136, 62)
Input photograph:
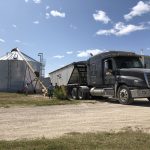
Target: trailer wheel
point(124, 95)
point(74, 93)
point(81, 94)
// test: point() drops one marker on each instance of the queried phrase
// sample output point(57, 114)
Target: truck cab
point(120, 75)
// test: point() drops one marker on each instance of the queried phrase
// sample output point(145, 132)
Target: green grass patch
point(128, 140)
point(13, 99)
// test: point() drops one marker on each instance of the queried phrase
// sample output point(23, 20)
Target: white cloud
point(89, 52)
point(59, 56)
point(36, 22)
point(106, 32)
point(69, 52)
point(47, 7)
point(47, 15)
point(56, 13)
point(17, 41)
point(37, 1)
point(101, 16)
point(138, 10)
point(2, 40)
point(14, 26)
point(121, 29)
point(73, 26)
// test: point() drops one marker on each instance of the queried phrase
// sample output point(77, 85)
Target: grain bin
point(16, 70)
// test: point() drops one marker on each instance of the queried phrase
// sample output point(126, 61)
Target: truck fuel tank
point(97, 92)
point(108, 92)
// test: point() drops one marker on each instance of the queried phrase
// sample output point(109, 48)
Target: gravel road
point(55, 121)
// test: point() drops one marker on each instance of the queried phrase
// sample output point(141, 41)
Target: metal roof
point(72, 64)
point(114, 54)
point(16, 54)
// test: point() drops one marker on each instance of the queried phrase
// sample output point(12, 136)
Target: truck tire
point(74, 93)
point(124, 95)
point(81, 94)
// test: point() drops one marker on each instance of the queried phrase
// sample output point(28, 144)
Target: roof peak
point(16, 54)
point(15, 50)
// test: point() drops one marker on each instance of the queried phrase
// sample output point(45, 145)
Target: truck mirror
point(145, 66)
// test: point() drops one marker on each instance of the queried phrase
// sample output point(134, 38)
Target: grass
point(14, 99)
point(128, 140)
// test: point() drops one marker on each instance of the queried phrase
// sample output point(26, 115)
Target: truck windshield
point(128, 62)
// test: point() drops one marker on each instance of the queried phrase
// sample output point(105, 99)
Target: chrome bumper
point(140, 93)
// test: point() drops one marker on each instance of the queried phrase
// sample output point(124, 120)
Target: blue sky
point(68, 30)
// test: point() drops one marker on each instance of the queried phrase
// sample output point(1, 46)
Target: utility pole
point(42, 69)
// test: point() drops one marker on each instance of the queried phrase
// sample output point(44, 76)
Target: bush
point(61, 93)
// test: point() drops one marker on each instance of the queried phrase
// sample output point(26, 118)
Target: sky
point(67, 31)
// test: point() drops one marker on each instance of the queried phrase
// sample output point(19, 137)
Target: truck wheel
point(124, 95)
point(148, 98)
point(74, 93)
point(81, 94)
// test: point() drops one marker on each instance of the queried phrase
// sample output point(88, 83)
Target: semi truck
point(118, 75)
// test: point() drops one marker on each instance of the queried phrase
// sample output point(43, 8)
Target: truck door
point(108, 74)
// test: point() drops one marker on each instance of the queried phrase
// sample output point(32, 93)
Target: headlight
point(138, 82)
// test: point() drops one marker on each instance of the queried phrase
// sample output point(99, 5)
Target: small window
point(108, 65)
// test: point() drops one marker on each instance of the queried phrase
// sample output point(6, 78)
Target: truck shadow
point(141, 103)
point(137, 102)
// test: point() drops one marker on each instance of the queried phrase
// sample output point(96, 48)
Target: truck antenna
point(91, 54)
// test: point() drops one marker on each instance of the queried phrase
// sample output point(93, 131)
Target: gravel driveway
point(55, 121)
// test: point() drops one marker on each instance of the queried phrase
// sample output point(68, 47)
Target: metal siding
point(14, 75)
point(3, 75)
point(36, 66)
point(62, 76)
point(17, 73)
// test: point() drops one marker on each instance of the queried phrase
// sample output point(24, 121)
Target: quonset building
point(16, 70)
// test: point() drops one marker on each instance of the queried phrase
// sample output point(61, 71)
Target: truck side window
point(108, 67)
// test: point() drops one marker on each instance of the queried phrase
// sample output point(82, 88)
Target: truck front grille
point(147, 78)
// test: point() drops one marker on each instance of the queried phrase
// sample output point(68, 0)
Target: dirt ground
point(55, 121)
